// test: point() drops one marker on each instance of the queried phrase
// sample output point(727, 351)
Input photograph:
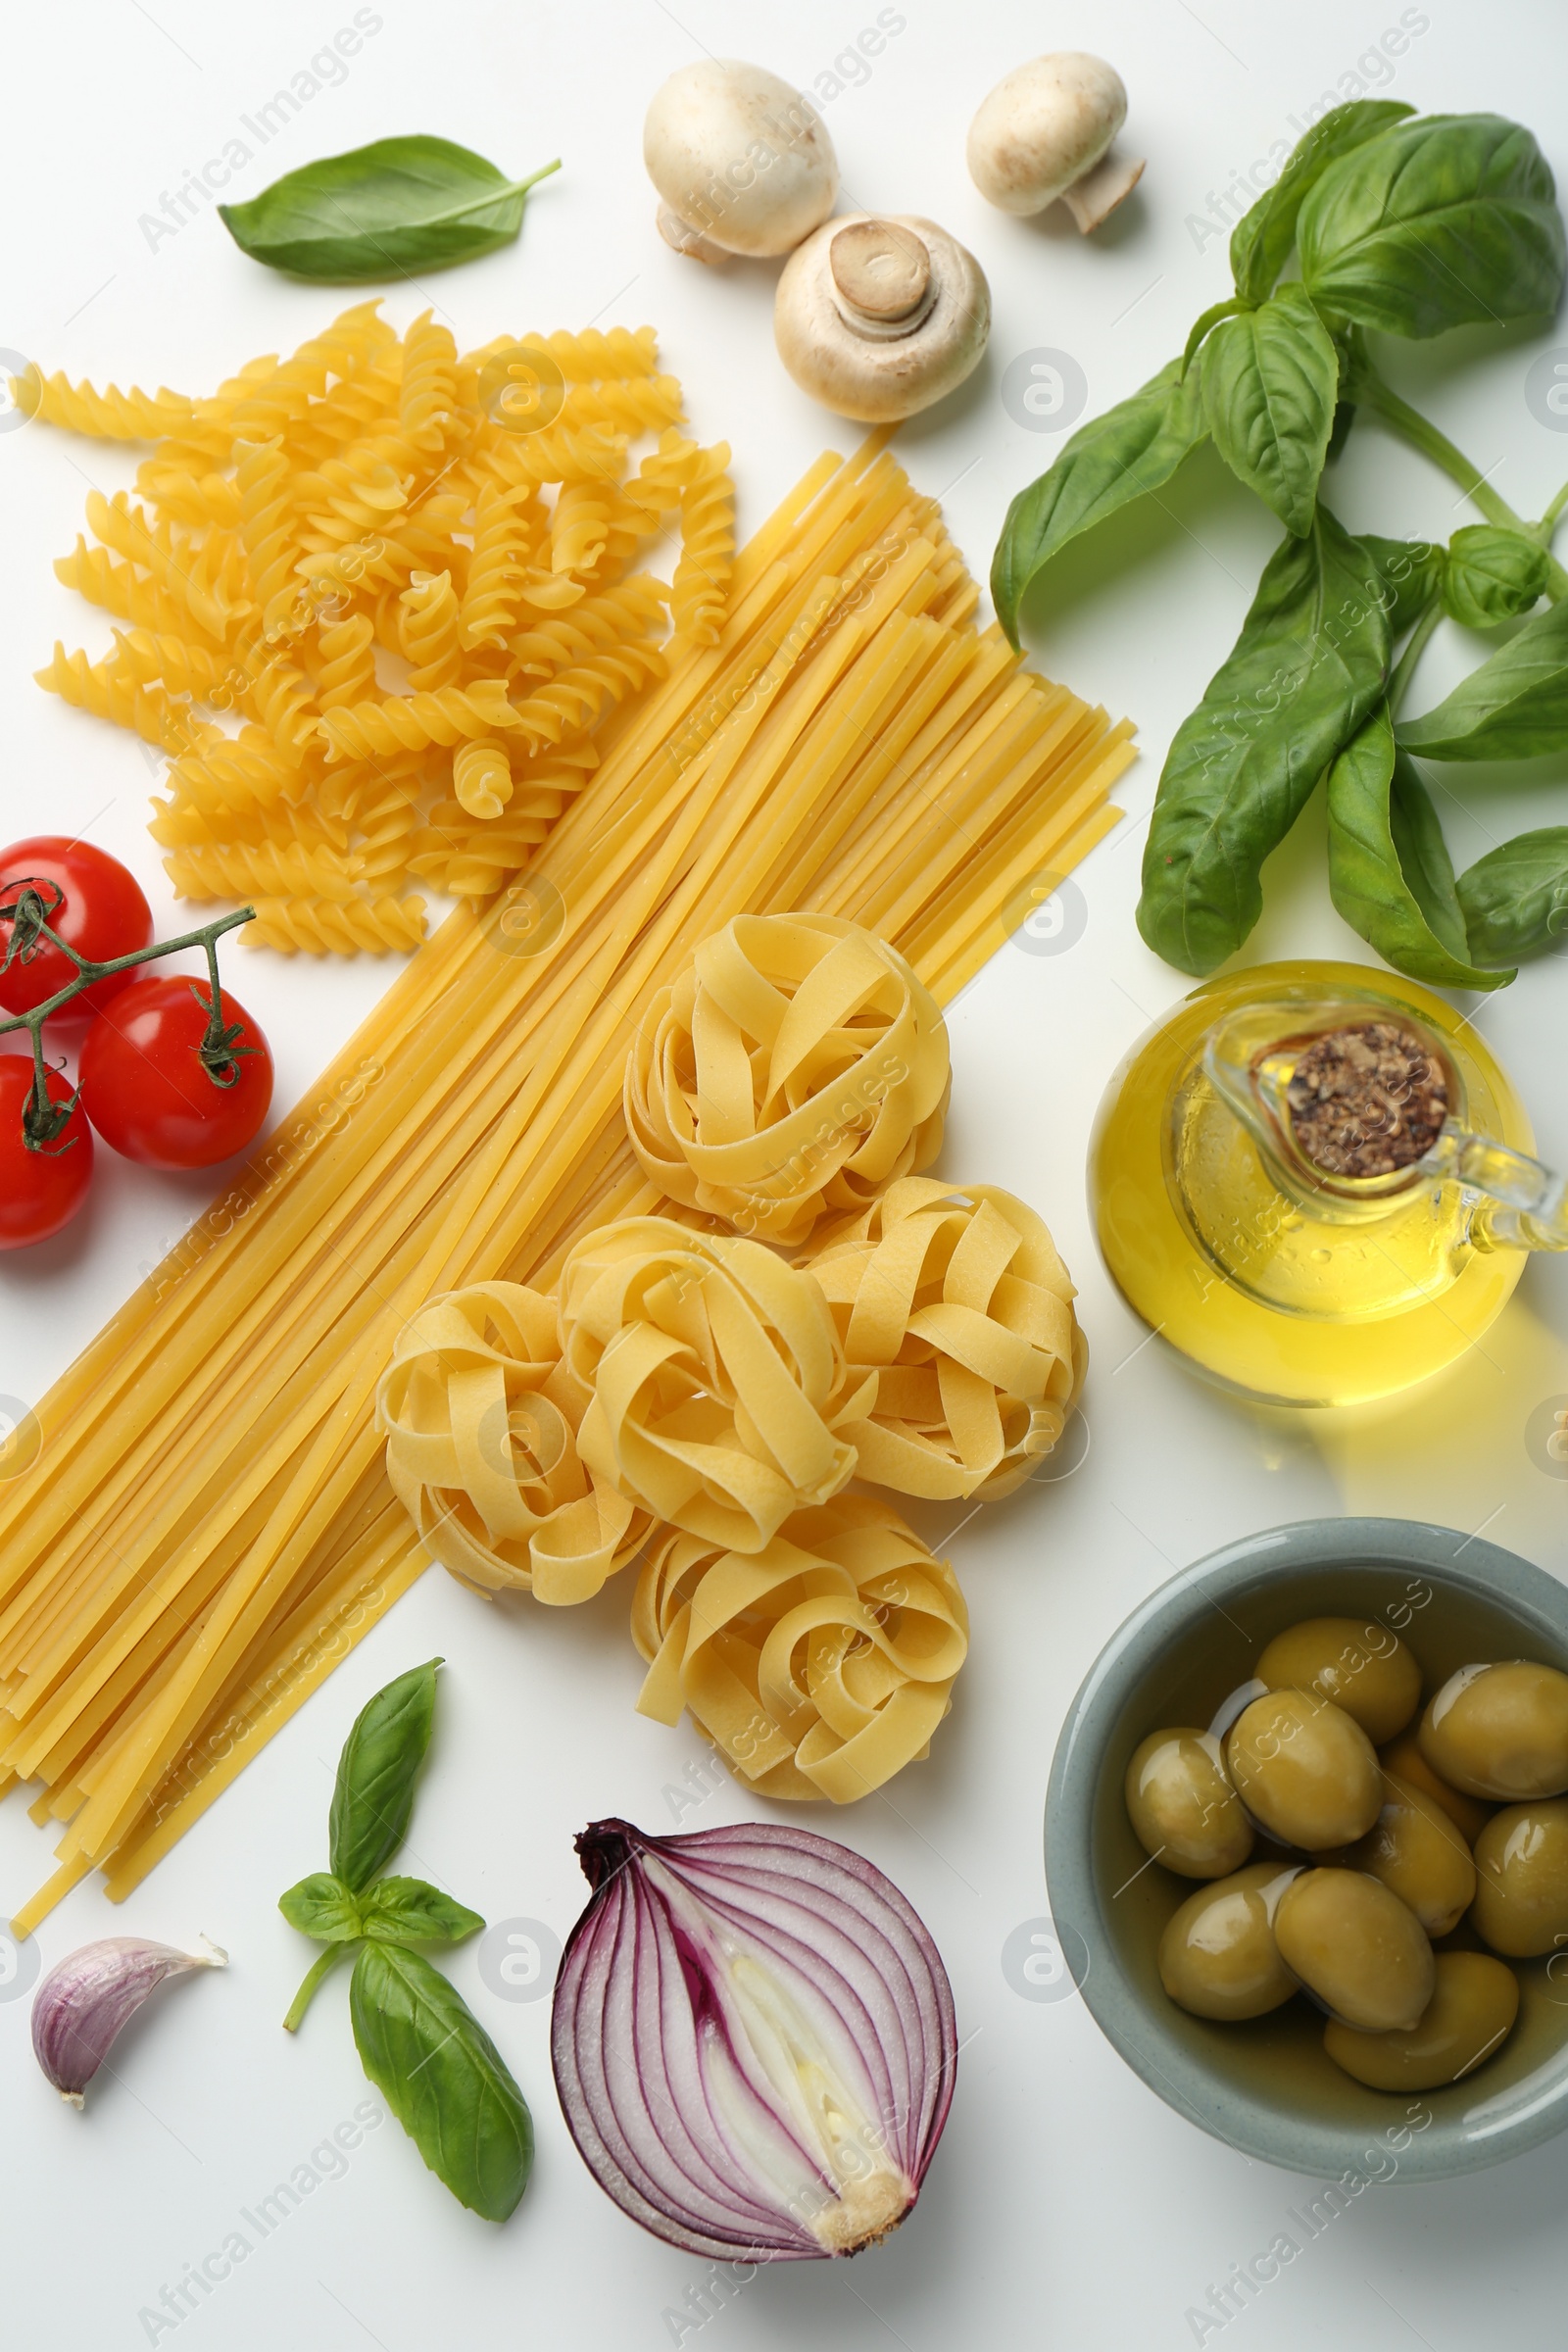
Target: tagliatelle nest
point(797, 1067)
point(481, 1418)
point(821, 1665)
point(716, 1378)
point(957, 1296)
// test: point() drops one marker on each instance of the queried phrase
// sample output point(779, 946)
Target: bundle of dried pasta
point(957, 1298)
point(797, 1066)
point(821, 1665)
point(717, 1382)
point(350, 552)
point(481, 1418)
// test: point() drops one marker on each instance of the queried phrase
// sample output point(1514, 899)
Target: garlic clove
point(83, 2003)
point(1094, 198)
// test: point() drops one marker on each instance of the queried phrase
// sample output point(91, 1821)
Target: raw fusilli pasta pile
point(414, 580)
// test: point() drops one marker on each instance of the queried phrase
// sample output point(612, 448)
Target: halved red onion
point(753, 2040)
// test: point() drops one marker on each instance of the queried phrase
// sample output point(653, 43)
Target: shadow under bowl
point(1267, 2087)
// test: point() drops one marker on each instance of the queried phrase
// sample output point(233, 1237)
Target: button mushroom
point(742, 163)
point(1045, 132)
point(878, 316)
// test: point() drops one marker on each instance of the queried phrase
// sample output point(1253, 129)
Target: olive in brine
point(1500, 1731)
point(1404, 1763)
point(1419, 1855)
point(1468, 2018)
point(1305, 1770)
point(1356, 1664)
point(1218, 1957)
point(1521, 1904)
point(1362, 1951)
point(1184, 1809)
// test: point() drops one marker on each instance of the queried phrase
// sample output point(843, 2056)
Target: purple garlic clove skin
point(82, 2004)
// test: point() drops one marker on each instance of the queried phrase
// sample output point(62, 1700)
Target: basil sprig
point(1408, 224)
point(390, 210)
point(418, 2041)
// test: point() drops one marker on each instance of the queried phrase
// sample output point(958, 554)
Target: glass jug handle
point(1524, 1206)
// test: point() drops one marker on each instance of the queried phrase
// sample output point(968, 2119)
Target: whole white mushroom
point(1045, 132)
point(880, 315)
point(742, 163)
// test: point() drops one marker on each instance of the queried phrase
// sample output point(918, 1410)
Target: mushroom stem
point(881, 279)
point(1095, 196)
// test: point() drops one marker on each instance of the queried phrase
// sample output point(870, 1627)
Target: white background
point(1067, 2206)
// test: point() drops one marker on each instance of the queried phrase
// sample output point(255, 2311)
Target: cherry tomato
point(145, 1088)
point(39, 1190)
point(103, 915)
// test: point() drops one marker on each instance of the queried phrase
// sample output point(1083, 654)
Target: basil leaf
point(1443, 220)
point(1412, 571)
point(1515, 704)
point(397, 1908)
point(1493, 574)
point(1515, 899)
point(1307, 669)
point(442, 2076)
point(1261, 241)
point(1271, 382)
point(322, 1907)
point(1133, 448)
point(1390, 873)
point(389, 210)
point(375, 1775)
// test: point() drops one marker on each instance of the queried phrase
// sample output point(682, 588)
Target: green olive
point(1403, 1762)
point(1184, 1809)
point(1500, 1731)
point(1364, 1952)
point(1469, 2015)
point(1521, 1879)
point(1217, 1956)
point(1356, 1664)
point(1419, 1855)
point(1304, 1770)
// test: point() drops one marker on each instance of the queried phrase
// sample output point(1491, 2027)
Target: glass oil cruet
point(1315, 1182)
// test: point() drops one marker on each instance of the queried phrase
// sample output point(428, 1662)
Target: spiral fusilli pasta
point(337, 926)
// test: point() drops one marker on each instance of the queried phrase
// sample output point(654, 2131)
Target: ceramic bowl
point(1268, 2087)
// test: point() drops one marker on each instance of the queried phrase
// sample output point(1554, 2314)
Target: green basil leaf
point(1271, 382)
point(1514, 705)
point(442, 2076)
point(1515, 899)
point(323, 1907)
point(1261, 241)
point(1390, 873)
point(1441, 220)
point(1133, 448)
point(1307, 669)
point(389, 210)
point(1492, 576)
point(1412, 571)
point(375, 1775)
point(395, 1909)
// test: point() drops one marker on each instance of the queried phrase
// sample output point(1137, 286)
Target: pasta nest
point(717, 1378)
point(957, 1298)
point(821, 1665)
point(797, 1067)
point(481, 1421)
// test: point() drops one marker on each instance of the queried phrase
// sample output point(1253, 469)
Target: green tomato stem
point(318, 1969)
point(1416, 646)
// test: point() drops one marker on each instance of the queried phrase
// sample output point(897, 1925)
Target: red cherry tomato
point(39, 1190)
point(146, 1090)
point(103, 915)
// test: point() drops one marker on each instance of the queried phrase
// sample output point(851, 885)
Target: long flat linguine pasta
point(207, 1522)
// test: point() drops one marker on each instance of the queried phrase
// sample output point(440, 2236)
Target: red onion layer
point(753, 2040)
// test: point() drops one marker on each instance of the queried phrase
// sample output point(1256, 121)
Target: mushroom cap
point(863, 366)
point(1044, 126)
point(739, 156)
